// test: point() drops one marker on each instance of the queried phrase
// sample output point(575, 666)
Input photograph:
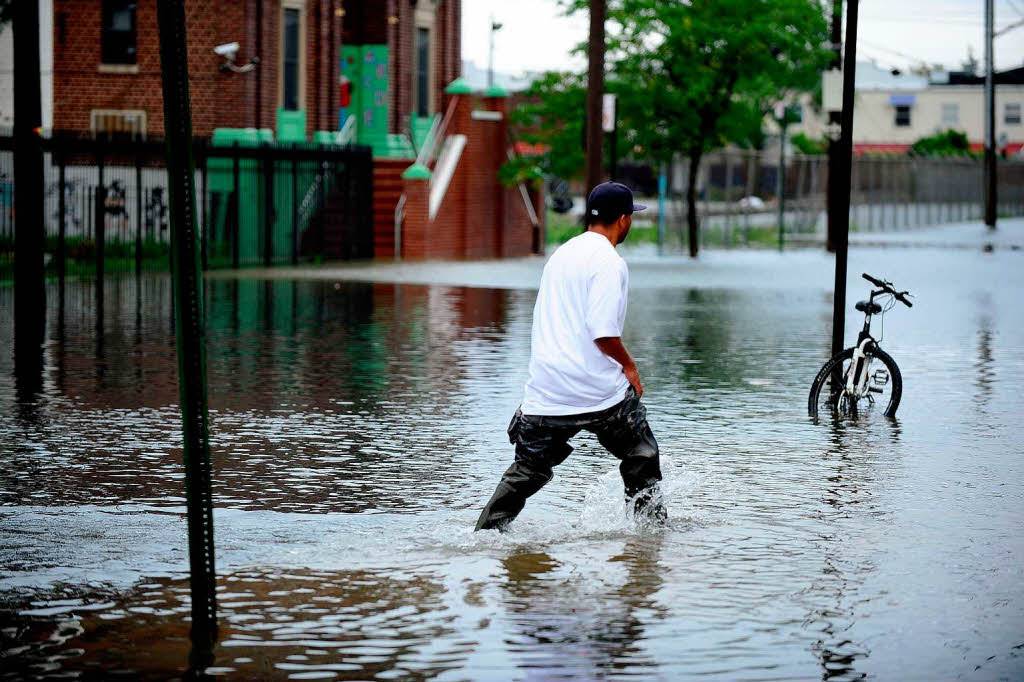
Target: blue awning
point(902, 100)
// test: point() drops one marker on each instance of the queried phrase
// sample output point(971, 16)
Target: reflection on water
point(357, 429)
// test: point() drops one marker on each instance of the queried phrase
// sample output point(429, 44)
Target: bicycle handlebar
point(888, 288)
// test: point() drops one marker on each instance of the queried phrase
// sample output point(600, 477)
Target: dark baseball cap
point(608, 201)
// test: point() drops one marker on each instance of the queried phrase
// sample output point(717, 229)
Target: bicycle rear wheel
point(884, 381)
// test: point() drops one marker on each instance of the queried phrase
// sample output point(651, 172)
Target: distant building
point(891, 112)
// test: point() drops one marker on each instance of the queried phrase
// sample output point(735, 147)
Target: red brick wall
point(478, 217)
point(218, 99)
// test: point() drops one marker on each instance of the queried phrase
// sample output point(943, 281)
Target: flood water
point(358, 428)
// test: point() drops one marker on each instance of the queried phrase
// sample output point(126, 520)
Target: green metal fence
point(261, 203)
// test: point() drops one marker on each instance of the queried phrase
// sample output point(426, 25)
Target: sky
point(535, 37)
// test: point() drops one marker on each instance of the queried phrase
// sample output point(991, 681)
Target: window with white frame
point(1011, 114)
point(293, 57)
point(950, 114)
point(902, 115)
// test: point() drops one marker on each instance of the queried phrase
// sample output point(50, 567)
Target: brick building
point(383, 71)
point(107, 61)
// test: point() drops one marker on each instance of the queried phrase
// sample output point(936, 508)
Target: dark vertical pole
point(295, 209)
point(236, 206)
point(138, 208)
point(836, 32)
point(842, 186)
point(62, 227)
point(99, 210)
point(29, 282)
point(268, 207)
point(323, 206)
point(204, 199)
point(189, 326)
point(990, 120)
point(782, 181)
point(595, 90)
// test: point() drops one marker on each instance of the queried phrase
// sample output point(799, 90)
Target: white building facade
point(892, 112)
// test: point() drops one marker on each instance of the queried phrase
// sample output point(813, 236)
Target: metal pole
point(190, 330)
point(595, 90)
point(138, 208)
point(662, 187)
point(268, 206)
point(831, 187)
point(782, 182)
point(62, 228)
point(295, 209)
point(100, 223)
point(990, 121)
point(842, 186)
point(236, 223)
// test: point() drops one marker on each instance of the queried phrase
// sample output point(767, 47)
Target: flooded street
point(359, 427)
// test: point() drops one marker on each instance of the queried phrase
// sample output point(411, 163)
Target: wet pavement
point(358, 427)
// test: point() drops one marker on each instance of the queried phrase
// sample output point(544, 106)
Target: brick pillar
point(416, 237)
point(457, 206)
point(496, 100)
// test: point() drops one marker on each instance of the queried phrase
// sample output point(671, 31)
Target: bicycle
point(850, 370)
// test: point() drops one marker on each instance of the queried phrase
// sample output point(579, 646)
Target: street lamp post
point(495, 27)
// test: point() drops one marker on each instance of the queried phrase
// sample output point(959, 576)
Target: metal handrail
point(347, 131)
point(399, 217)
point(530, 211)
point(428, 154)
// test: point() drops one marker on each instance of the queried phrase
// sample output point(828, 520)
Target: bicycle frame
point(856, 379)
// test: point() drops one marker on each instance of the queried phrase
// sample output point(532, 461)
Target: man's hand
point(634, 379)
point(613, 348)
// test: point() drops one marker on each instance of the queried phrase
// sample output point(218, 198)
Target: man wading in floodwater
point(581, 377)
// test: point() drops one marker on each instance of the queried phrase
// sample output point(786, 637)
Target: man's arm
point(612, 347)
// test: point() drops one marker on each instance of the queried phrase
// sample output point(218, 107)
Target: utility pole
point(991, 178)
point(841, 185)
point(190, 327)
point(595, 90)
point(29, 283)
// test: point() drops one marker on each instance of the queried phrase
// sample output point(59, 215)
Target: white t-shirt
point(582, 297)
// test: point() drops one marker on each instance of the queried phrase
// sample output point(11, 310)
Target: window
point(950, 114)
point(117, 122)
point(1011, 114)
point(902, 115)
point(291, 60)
point(117, 40)
point(422, 71)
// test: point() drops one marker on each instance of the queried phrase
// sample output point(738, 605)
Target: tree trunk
point(691, 201)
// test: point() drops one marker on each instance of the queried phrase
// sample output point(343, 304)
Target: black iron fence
point(106, 205)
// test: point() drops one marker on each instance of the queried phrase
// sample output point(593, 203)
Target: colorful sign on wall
point(364, 91)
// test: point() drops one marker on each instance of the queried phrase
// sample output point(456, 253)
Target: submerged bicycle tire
point(888, 387)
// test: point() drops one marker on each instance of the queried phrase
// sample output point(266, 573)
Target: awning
point(902, 100)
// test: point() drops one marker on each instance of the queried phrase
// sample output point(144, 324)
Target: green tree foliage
point(553, 115)
point(690, 76)
point(808, 145)
point(949, 143)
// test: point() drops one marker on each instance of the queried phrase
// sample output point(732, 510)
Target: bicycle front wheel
point(885, 384)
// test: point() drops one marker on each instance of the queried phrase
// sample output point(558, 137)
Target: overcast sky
point(895, 33)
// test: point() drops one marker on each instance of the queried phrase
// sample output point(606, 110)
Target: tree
point(693, 75)
point(553, 114)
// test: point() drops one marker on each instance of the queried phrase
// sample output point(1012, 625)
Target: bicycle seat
point(869, 307)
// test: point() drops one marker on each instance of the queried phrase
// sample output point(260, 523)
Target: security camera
point(228, 50)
